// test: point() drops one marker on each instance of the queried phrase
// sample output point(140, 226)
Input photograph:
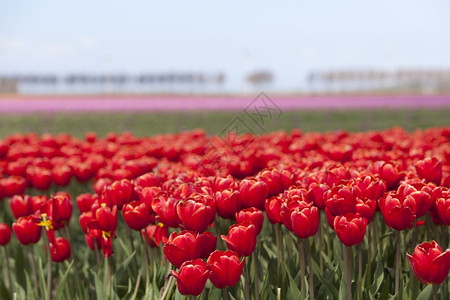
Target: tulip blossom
point(399, 211)
point(430, 169)
point(27, 230)
point(195, 213)
point(241, 238)
point(253, 193)
point(192, 277)
point(443, 209)
point(156, 234)
point(350, 228)
point(225, 268)
point(21, 206)
point(228, 203)
point(60, 250)
point(273, 208)
point(136, 214)
point(305, 221)
point(5, 234)
point(429, 263)
point(253, 215)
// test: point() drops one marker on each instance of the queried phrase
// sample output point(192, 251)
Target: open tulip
point(429, 263)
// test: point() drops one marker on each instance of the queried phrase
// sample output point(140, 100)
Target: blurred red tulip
point(5, 234)
point(253, 193)
point(430, 169)
point(136, 214)
point(60, 250)
point(27, 230)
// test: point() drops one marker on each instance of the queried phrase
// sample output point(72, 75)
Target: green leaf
point(379, 277)
point(30, 291)
point(426, 293)
point(99, 288)
point(42, 278)
point(331, 289)
point(293, 287)
point(61, 285)
point(123, 266)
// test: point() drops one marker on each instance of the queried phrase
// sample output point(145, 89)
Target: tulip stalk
point(246, 284)
point(49, 273)
point(359, 281)
point(8, 271)
point(33, 267)
point(348, 270)
point(398, 266)
point(147, 272)
point(301, 258)
point(310, 271)
point(434, 292)
point(255, 270)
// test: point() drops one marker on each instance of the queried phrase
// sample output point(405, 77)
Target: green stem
point(246, 287)
point(130, 237)
point(33, 267)
point(225, 294)
point(8, 270)
point(359, 281)
point(398, 265)
point(49, 273)
point(147, 272)
point(347, 251)
point(310, 271)
point(434, 292)
point(320, 246)
point(301, 258)
point(255, 270)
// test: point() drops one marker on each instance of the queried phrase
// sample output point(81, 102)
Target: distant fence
point(110, 83)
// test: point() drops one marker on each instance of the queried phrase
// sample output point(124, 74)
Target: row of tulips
point(182, 192)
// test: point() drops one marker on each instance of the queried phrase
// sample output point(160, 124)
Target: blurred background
point(166, 66)
point(232, 47)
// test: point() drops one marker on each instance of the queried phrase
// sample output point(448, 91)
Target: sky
point(288, 38)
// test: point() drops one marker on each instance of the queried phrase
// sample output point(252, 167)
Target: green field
point(145, 124)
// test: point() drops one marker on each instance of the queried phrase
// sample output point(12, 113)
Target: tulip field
point(318, 205)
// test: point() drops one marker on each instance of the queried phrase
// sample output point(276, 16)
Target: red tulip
point(228, 202)
point(166, 211)
point(192, 277)
point(443, 209)
point(253, 193)
point(5, 234)
point(27, 230)
point(305, 221)
point(136, 214)
point(119, 193)
point(206, 243)
point(21, 206)
point(85, 201)
point(429, 263)
point(225, 268)
point(61, 175)
point(195, 213)
point(272, 178)
point(181, 247)
point(241, 238)
point(60, 251)
point(253, 215)
point(399, 212)
point(273, 208)
point(59, 209)
point(107, 218)
point(13, 185)
point(350, 228)
point(156, 234)
point(430, 169)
